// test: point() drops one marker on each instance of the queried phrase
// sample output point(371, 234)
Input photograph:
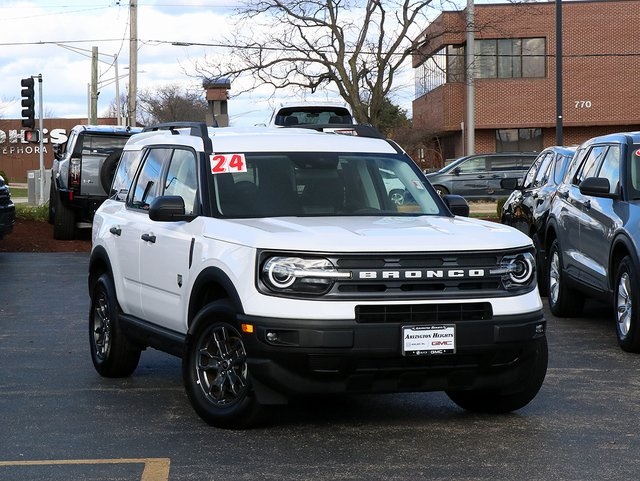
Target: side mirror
point(510, 183)
point(457, 171)
point(168, 208)
point(456, 204)
point(597, 187)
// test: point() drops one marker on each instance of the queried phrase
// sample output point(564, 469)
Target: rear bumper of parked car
point(306, 357)
point(85, 206)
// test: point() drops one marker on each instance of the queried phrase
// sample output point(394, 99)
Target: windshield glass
point(322, 184)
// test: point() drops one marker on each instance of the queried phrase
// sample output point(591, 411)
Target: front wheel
point(441, 190)
point(563, 301)
point(215, 371)
point(111, 352)
point(509, 398)
point(397, 197)
point(627, 309)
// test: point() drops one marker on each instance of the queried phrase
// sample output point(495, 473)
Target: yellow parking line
point(155, 469)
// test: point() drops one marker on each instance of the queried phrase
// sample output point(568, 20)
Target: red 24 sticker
point(222, 163)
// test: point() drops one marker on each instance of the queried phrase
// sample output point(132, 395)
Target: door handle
point(117, 231)
point(149, 238)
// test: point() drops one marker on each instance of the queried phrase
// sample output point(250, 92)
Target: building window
point(519, 140)
point(510, 58)
point(446, 65)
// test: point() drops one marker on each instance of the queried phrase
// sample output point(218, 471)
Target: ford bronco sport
point(276, 263)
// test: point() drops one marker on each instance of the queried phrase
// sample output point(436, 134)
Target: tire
point(52, 200)
point(111, 352)
point(512, 397)
point(626, 306)
point(441, 190)
point(108, 170)
point(396, 196)
point(214, 370)
point(541, 274)
point(64, 221)
point(563, 301)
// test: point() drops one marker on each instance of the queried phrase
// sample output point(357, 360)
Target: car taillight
point(74, 174)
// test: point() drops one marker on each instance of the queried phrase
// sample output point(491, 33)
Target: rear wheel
point(397, 196)
point(563, 301)
point(215, 372)
point(512, 397)
point(112, 354)
point(64, 221)
point(627, 309)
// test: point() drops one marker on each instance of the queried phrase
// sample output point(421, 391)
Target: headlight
point(299, 275)
point(516, 270)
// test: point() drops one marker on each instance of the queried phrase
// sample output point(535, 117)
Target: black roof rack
point(196, 129)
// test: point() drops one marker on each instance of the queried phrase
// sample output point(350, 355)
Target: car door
point(599, 220)
point(471, 177)
point(166, 247)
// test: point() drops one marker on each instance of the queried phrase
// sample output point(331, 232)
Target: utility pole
point(133, 61)
point(93, 106)
point(471, 94)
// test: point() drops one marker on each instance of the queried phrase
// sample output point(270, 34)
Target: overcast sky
point(55, 37)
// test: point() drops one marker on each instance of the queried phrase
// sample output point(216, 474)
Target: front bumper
point(331, 357)
point(7, 219)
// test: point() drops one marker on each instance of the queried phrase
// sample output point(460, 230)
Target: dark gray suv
point(593, 234)
point(478, 176)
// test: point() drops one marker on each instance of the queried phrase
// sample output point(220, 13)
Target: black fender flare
point(201, 294)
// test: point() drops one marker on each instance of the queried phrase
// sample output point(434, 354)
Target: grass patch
point(39, 213)
point(19, 192)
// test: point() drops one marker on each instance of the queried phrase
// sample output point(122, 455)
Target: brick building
point(17, 156)
point(515, 76)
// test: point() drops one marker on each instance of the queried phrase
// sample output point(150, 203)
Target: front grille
point(424, 313)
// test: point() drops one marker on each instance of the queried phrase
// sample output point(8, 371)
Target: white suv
point(275, 262)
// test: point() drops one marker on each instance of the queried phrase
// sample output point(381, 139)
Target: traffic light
point(28, 103)
point(32, 136)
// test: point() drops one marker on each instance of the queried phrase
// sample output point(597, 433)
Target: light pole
point(559, 136)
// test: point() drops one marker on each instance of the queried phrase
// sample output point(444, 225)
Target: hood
point(369, 234)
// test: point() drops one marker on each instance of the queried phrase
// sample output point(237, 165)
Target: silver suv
point(81, 175)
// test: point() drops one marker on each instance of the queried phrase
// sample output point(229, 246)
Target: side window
point(545, 168)
point(501, 164)
point(473, 166)
point(611, 168)
point(182, 178)
point(560, 166)
point(591, 163)
point(123, 178)
point(148, 183)
point(532, 173)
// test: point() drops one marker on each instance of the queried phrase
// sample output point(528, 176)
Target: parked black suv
point(527, 208)
point(81, 175)
point(7, 209)
point(593, 233)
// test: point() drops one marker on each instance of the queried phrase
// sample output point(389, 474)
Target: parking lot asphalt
point(61, 421)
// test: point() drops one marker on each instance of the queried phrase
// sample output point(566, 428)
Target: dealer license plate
point(428, 340)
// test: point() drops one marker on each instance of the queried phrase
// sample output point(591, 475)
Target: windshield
point(323, 184)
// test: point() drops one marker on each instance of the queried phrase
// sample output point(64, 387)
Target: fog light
point(272, 336)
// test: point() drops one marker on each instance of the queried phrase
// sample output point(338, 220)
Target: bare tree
point(170, 103)
point(358, 47)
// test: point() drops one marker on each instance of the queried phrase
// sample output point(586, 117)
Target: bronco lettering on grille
point(422, 274)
